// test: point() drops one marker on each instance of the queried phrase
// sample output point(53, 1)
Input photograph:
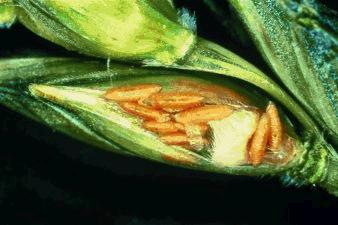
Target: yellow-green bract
point(117, 29)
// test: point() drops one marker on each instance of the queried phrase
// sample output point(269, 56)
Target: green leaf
point(121, 30)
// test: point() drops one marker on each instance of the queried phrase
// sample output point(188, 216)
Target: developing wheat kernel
point(205, 118)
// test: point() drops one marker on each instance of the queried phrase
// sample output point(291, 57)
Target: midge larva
point(184, 116)
point(203, 114)
point(259, 140)
point(276, 131)
point(145, 112)
point(175, 102)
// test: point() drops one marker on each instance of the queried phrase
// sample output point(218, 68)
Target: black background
point(48, 178)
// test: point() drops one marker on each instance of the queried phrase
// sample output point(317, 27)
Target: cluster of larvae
point(181, 117)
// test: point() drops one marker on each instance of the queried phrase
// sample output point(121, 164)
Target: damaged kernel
point(185, 141)
point(233, 134)
point(195, 136)
point(204, 114)
point(175, 102)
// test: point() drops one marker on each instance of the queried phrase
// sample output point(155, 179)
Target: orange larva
point(276, 133)
point(132, 93)
point(163, 128)
point(176, 101)
point(145, 112)
point(184, 140)
point(203, 114)
point(175, 139)
point(181, 117)
point(259, 140)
